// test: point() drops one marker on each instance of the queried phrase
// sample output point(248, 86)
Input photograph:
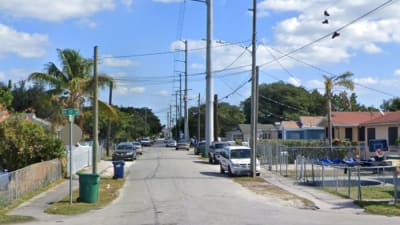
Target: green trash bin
point(88, 187)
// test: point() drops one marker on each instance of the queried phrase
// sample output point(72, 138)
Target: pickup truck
point(214, 151)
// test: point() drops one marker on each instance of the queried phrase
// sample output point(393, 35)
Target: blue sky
point(138, 42)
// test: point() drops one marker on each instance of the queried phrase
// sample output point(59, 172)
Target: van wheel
point(230, 172)
point(221, 170)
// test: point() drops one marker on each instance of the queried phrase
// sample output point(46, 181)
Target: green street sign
point(70, 112)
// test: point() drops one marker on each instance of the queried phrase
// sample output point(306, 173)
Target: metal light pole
point(209, 114)
point(209, 79)
point(186, 116)
point(95, 114)
point(253, 126)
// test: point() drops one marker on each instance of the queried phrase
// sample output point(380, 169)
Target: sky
point(141, 43)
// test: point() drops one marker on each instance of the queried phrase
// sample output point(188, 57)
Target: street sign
point(76, 134)
point(70, 112)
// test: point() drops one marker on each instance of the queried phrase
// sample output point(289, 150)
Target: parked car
point(183, 145)
point(200, 147)
point(214, 151)
point(146, 142)
point(138, 147)
point(170, 143)
point(124, 151)
point(236, 161)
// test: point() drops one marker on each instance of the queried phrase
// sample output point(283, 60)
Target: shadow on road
point(201, 161)
point(212, 174)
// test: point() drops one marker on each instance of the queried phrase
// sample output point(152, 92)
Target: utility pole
point(95, 114)
point(209, 79)
point(176, 116)
point(254, 114)
point(216, 121)
point(180, 95)
point(170, 121)
point(109, 120)
point(198, 119)
point(145, 121)
point(186, 116)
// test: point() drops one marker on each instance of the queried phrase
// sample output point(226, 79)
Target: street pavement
point(167, 187)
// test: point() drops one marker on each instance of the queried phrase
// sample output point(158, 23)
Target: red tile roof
point(353, 118)
point(387, 118)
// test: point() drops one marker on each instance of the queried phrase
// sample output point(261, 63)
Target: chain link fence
point(355, 179)
point(15, 185)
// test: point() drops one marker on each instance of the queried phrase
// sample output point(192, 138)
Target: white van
point(236, 161)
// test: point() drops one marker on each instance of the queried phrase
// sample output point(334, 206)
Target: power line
point(330, 73)
point(330, 34)
point(236, 89)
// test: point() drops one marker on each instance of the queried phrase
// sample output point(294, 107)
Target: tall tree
point(72, 84)
point(331, 82)
point(391, 104)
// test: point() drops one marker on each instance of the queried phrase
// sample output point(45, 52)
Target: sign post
point(70, 112)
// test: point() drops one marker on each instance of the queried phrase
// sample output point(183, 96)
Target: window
point(371, 133)
point(393, 134)
point(348, 134)
point(361, 133)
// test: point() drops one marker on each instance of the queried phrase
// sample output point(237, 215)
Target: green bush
point(23, 143)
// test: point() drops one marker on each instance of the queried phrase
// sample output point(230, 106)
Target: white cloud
point(108, 60)
point(123, 90)
point(294, 81)
point(316, 85)
point(367, 81)
point(303, 26)
point(55, 11)
point(372, 48)
point(397, 72)
point(21, 43)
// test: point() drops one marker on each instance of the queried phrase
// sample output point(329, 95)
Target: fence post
point(359, 184)
point(322, 174)
point(349, 182)
point(395, 191)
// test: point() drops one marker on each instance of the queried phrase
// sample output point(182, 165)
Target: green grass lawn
point(108, 191)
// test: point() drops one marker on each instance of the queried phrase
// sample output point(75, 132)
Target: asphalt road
point(168, 187)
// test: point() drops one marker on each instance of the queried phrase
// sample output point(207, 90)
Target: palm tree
point(330, 83)
point(72, 84)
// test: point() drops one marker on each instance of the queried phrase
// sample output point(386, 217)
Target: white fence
point(82, 157)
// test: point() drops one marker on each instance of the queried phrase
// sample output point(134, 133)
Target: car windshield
point(136, 143)
point(124, 147)
point(221, 145)
point(240, 153)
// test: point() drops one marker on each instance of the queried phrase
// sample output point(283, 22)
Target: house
point(386, 126)
point(306, 128)
point(348, 125)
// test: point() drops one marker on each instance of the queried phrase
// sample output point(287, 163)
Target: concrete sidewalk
point(36, 206)
point(323, 201)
